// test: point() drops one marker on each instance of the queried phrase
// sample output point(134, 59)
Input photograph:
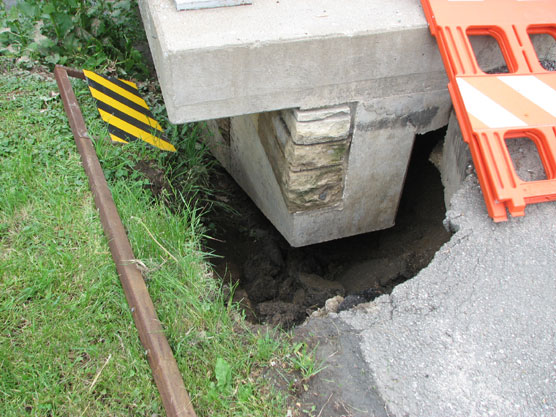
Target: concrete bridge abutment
point(322, 174)
point(313, 107)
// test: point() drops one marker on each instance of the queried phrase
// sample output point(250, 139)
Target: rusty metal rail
point(161, 359)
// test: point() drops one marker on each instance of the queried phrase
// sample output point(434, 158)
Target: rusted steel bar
point(75, 73)
point(161, 359)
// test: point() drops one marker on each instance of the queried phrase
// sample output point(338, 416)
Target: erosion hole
point(281, 285)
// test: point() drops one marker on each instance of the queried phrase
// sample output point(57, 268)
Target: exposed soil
point(281, 285)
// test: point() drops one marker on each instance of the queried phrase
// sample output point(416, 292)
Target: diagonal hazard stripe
point(109, 93)
point(129, 119)
point(117, 88)
point(135, 131)
point(126, 85)
point(486, 110)
point(534, 90)
point(122, 135)
point(132, 84)
point(117, 139)
point(127, 114)
point(520, 105)
point(118, 105)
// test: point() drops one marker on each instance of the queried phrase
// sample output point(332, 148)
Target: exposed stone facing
point(305, 157)
point(321, 113)
point(302, 158)
point(309, 164)
point(308, 190)
point(309, 127)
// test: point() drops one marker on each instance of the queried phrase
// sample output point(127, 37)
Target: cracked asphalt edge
point(474, 333)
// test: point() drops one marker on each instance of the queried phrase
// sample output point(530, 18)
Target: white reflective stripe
point(485, 109)
point(534, 90)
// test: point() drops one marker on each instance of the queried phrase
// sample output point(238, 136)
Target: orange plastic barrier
point(493, 108)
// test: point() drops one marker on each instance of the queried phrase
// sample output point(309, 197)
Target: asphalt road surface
point(474, 334)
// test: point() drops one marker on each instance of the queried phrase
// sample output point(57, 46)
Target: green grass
point(68, 346)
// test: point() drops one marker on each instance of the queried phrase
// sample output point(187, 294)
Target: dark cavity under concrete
point(281, 285)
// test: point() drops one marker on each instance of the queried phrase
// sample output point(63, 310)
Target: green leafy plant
point(88, 33)
point(223, 373)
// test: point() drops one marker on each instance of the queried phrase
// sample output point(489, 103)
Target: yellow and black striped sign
point(128, 116)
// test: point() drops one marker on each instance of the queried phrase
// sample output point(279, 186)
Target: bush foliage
point(83, 33)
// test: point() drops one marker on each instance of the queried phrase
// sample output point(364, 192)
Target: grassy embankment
point(68, 346)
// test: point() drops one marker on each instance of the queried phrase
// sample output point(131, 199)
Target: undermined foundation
point(318, 104)
point(313, 109)
point(281, 285)
point(327, 173)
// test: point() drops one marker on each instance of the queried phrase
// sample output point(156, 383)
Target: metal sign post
point(165, 370)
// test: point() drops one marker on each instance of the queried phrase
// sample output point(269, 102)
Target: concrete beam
point(273, 55)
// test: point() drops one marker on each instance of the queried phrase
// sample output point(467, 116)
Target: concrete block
point(374, 168)
point(272, 55)
point(325, 99)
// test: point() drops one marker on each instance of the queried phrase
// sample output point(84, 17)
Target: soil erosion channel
point(281, 285)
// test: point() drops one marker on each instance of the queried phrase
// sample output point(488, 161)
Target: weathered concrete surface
point(474, 333)
point(273, 55)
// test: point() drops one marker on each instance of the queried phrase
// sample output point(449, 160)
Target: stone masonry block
point(313, 189)
point(309, 176)
point(309, 115)
point(304, 157)
point(332, 128)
